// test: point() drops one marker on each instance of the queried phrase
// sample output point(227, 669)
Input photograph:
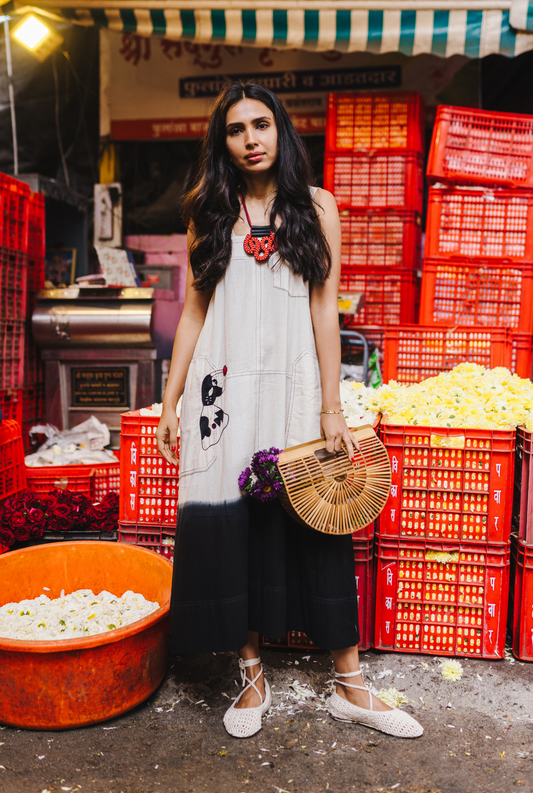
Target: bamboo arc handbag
point(330, 492)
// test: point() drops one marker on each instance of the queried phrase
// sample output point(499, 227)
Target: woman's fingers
point(355, 442)
point(167, 443)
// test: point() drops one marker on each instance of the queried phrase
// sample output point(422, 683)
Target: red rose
point(18, 519)
point(36, 516)
point(61, 511)
point(22, 533)
point(108, 525)
point(79, 500)
point(7, 537)
point(37, 530)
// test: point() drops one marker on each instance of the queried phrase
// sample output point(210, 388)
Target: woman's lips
point(254, 157)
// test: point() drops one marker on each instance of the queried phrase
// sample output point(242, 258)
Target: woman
point(257, 359)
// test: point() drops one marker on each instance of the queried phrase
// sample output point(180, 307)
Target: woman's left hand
point(335, 431)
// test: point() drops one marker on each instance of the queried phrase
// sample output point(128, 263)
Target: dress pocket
point(203, 419)
point(303, 415)
point(287, 281)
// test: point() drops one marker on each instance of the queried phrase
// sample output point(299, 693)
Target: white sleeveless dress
point(253, 383)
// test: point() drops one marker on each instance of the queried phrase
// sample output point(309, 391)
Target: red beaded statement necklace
point(260, 242)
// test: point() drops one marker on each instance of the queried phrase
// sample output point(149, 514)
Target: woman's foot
point(373, 713)
point(360, 698)
point(249, 697)
point(243, 717)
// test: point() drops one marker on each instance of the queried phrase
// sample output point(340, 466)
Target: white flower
point(451, 670)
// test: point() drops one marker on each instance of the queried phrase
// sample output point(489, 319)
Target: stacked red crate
point(479, 242)
point(148, 487)
point(373, 167)
point(443, 553)
point(522, 548)
point(12, 468)
point(22, 250)
point(416, 352)
point(14, 205)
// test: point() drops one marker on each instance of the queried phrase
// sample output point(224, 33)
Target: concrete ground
point(478, 735)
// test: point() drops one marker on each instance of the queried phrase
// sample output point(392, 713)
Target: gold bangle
point(332, 411)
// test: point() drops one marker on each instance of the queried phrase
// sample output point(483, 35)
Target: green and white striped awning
point(444, 27)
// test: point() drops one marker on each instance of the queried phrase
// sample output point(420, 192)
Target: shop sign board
point(154, 88)
point(303, 82)
point(104, 386)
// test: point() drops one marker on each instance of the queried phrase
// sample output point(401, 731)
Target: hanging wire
point(58, 127)
point(11, 98)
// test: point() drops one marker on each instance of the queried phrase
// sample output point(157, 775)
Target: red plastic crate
point(481, 147)
point(11, 405)
point(364, 568)
point(13, 284)
point(94, 481)
point(522, 600)
point(523, 506)
point(148, 484)
point(391, 295)
point(375, 180)
point(467, 292)
point(36, 227)
point(14, 207)
point(473, 222)
point(416, 352)
point(12, 468)
point(155, 538)
point(33, 413)
point(375, 120)
point(454, 607)
point(11, 353)
point(522, 354)
point(449, 484)
point(380, 238)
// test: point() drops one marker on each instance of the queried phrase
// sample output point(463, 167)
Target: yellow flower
point(467, 396)
point(392, 697)
point(452, 670)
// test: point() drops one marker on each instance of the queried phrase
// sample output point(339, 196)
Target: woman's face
point(251, 136)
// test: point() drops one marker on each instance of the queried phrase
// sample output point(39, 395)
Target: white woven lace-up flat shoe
point(392, 722)
point(245, 722)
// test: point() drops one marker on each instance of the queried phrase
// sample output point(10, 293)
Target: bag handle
point(295, 452)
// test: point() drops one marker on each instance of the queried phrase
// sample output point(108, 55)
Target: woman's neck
point(259, 188)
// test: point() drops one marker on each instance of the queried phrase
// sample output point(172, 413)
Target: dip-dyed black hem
point(248, 566)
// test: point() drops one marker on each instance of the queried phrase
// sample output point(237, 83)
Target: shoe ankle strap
point(250, 662)
point(339, 675)
point(246, 682)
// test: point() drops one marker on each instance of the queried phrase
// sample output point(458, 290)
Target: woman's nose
point(250, 138)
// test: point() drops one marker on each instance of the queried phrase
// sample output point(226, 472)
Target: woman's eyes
point(262, 125)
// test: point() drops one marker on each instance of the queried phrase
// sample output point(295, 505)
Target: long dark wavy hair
point(213, 206)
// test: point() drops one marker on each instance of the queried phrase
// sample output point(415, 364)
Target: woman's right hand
point(167, 436)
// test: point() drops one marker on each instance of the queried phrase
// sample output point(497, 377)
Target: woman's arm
point(325, 317)
point(189, 327)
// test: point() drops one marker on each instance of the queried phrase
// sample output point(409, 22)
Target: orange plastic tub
point(56, 685)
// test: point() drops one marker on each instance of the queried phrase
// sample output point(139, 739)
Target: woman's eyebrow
point(255, 121)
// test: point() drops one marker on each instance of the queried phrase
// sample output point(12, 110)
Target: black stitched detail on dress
point(213, 420)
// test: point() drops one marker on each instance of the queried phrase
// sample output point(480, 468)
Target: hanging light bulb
point(36, 36)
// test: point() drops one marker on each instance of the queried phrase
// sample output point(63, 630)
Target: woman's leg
point(347, 660)
point(250, 698)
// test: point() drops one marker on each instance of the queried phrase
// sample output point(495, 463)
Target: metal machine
point(105, 350)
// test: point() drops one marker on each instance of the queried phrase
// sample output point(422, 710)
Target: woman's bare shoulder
point(324, 199)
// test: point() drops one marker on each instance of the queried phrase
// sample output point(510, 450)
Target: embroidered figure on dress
point(213, 420)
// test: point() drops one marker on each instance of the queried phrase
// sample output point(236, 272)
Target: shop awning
point(444, 27)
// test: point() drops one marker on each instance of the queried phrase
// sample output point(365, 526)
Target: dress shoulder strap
point(312, 190)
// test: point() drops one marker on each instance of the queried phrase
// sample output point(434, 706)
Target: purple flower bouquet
point(262, 479)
